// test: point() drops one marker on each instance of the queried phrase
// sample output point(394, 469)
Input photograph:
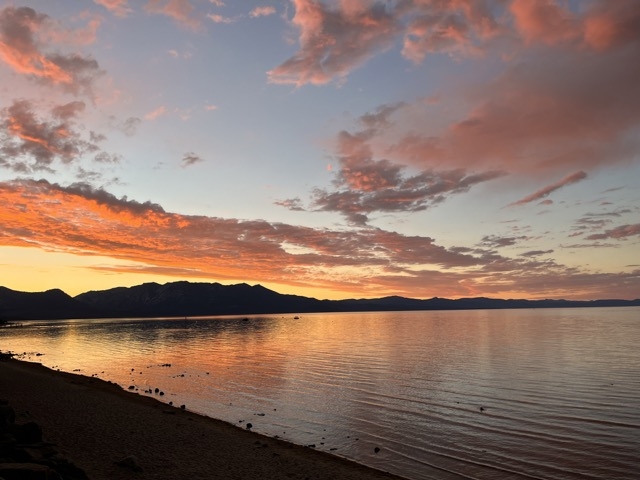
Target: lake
point(483, 394)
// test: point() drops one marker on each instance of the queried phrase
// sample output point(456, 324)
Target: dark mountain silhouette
point(181, 299)
point(52, 304)
point(185, 299)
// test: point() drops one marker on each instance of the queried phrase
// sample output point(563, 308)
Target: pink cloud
point(24, 34)
point(601, 26)
point(334, 41)
point(457, 27)
point(365, 185)
point(157, 113)
point(339, 37)
point(549, 113)
point(119, 8)
point(620, 232)
point(546, 191)
point(336, 38)
point(544, 20)
point(86, 35)
point(220, 18)
point(262, 12)
point(570, 104)
point(181, 11)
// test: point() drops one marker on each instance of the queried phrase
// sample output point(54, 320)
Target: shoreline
point(95, 424)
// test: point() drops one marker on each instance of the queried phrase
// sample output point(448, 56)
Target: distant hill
point(185, 299)
point(52, 304)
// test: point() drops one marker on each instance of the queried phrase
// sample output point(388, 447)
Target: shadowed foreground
point(95, 424)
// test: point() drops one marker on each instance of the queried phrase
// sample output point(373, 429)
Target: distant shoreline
point(185, 299)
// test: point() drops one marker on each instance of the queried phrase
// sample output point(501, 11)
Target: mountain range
point(186, 299)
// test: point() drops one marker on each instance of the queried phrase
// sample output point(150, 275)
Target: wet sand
point(95, 424)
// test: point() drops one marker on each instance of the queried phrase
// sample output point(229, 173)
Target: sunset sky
point(330, 148)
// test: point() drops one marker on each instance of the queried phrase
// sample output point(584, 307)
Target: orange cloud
point(23, 35)
point(83, 220)
point(86, 221)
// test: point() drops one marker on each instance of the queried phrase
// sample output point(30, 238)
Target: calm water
point(508, 394)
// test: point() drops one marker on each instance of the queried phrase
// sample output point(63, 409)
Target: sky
point(328, 148)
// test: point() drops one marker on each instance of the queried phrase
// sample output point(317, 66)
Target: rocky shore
point(24, 455)
point(56, 425)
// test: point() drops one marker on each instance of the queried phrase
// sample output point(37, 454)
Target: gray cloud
point(29, 140)
point(24, 36)
point(189, 159)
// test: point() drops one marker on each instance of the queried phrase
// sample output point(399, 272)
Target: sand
point(95, 424)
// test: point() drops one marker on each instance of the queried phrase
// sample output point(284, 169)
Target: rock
point(249, 426)
point(24, 456)
point(26, 471)
point(130, 463)
point(29, 432)
point(183, 407)
point(38, 454)
point(376, 450)
point(66, 469)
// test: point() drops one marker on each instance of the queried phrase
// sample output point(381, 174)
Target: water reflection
point(487, 394)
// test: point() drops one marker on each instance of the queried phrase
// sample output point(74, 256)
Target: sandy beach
point(96, 424)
